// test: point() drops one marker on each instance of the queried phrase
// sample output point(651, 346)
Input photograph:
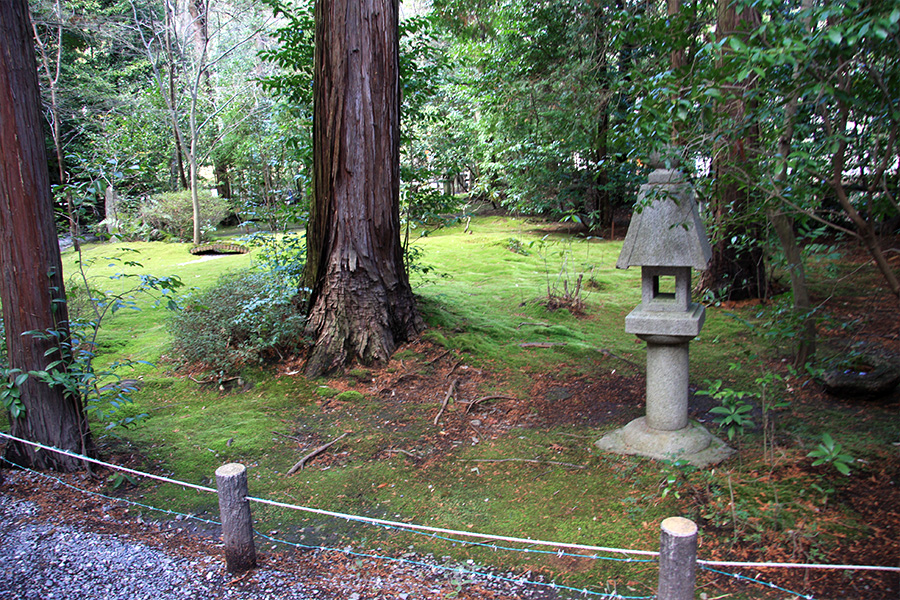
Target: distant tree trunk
point(171, 100)
point(111, 209)
point(783, 224)
point(52, 74)
point(599, 195)
point(677, 58)
point(199, 10)
point(737, 269)
point(361, 305)
point(31, 279)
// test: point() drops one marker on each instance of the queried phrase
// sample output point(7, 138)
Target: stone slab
point(693, 444)
point(651, 322)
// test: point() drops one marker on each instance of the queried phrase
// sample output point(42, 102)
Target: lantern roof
point(667, 230)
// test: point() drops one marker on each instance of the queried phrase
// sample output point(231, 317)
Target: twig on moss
point(453, 368)
point(406, 452)
point(606, 352)
point(469, 405)
point(450, 391)
point(438, 357)
point(290, 437)
point(302, 462)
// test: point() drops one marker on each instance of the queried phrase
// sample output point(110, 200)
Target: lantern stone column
point(666, 239)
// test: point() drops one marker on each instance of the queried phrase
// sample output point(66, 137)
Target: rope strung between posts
point(436, 530)
point(106, 464)
point(360, 519)
point(111, 498)
point(757, 581)
point(462, 571)
point(400, 560)
point(471, 534)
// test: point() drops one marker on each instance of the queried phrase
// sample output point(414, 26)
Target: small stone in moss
point(326, 392)
point(406, 354)
point(361, 375)
point(350, 396)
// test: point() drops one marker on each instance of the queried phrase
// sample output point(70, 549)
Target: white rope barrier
point(753, 565)
point(106, 464)
point(471, 534)
point(436, 530)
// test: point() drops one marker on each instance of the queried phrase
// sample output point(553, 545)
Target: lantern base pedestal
point(692, 444)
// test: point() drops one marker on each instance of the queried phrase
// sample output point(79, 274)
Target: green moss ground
point(490, 304)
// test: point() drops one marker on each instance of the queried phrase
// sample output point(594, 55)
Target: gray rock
point(873, 383)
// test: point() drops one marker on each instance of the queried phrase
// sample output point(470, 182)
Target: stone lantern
point(666, 239)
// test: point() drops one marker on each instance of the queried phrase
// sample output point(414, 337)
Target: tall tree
point(361, 304)
point(31, 278)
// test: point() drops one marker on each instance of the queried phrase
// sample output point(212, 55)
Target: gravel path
point(77, 556)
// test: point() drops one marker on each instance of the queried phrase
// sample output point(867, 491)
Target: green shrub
point(247, 317)
point(350, 396)
point(173, 213)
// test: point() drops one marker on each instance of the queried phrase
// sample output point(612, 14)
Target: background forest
point(784, 114)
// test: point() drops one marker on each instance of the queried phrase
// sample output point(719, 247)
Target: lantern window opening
point(666, 289)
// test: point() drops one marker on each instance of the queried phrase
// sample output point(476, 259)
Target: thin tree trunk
point(171, 99)
point(863, 226)
point(53, 75)
point(361, 303)
point(784, 229)
point(199, 10)
point(31, 280)
point(677, 58)
point(736, 270)
point(600, 197)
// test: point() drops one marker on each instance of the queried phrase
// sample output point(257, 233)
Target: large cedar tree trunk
point(31, 282)
point(736, 270)
point(361, 305)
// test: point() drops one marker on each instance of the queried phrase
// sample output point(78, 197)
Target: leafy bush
point(247, 317)
point(104, 393)
point(173, 213)
point(282, 256)
point(830, 452)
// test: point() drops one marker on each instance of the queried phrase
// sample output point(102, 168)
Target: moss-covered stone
point(362, 375)
point(350, 396)
point(326, 392)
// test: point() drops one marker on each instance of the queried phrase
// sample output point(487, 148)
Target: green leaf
point(835, 36)
point(842, 467)
point(736, 44)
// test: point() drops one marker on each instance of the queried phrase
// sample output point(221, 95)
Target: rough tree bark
point(31, 281)
point(736, 270)
point(361, 304)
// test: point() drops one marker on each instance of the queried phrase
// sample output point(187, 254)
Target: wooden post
point(677, 559)
point(237, 524)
